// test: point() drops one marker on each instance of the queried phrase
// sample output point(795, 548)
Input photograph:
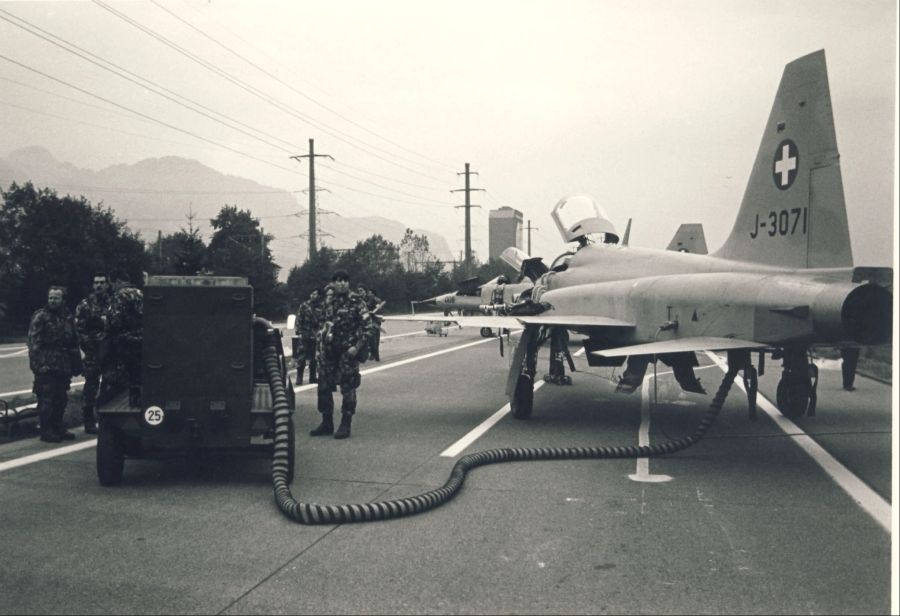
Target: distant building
point(504, 230)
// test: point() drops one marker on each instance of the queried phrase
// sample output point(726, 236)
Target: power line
point(154, 87)
point(292, 88)
point(256, 92)
point(158, 121)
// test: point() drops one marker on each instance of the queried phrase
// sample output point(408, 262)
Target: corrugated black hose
point(312, 513)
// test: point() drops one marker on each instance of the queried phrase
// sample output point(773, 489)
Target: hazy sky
point(654, 108)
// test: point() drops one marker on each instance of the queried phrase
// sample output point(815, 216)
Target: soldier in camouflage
point(339, 343)
point(126, 309)
point(374, 304)
point(309, 320)
point(54, 358)
point(90, 322)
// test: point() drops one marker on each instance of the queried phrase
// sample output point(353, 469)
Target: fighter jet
point(783, 281)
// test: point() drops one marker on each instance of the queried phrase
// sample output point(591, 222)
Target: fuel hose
point(313, 513)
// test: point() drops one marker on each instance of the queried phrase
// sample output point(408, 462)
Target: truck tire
point(110, 455)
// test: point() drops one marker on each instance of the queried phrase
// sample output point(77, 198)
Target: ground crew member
point(54, 358)
point(126, 309)
point(339, 341)
point(849, 359)
point(309, 320)
point(90, 323)
point(374, 304)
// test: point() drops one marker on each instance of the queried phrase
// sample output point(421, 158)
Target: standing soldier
point(374, 304)
point(90, 322)
point(126, 309)
point(54, 358)
point(340, 340)
point(309, 319)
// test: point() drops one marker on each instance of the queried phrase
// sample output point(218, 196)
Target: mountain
point(155, 195)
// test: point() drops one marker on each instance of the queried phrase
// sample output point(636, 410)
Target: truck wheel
point(110, 455)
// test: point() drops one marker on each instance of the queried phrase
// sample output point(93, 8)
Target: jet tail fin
point(689, 238)
point(793, 212)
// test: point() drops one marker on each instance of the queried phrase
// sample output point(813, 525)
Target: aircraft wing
point(510, 322)
point(466, 321)
point(680, 345)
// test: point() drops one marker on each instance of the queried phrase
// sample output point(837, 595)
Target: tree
point(182, 253)
point(46, 239)
point(240, 248)
point(414, 251)
point(313, 274)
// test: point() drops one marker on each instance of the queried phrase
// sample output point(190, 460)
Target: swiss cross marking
point(787, 159)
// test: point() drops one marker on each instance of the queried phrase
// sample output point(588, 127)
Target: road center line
point(864, 496)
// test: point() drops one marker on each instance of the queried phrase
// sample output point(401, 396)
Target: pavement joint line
point(864, 496)
point(478, 431)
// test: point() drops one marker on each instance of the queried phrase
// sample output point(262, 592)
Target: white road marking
point(403, 362)
point(642, 472)
point(473, 435)
point(21, 392)
point(14, 353)
point(421, 331)
point(79, 446)
point(864, 496)
point(456, 448)
point(46, 455)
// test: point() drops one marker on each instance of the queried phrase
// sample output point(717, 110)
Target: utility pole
point(312, 195)
point(529, 228)
point(468, 206)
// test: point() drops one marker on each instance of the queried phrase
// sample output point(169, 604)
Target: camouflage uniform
point(309, 320)
point(54, 358)
point(126, 310)
point(90, 322)
point(373, 303)
point(344, 326)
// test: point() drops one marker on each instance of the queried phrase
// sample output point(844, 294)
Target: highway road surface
point(759, 517)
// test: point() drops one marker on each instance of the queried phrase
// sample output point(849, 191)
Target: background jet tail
point(793, 212)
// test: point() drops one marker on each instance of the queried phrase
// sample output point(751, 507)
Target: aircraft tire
point(110, 455)
point(523, 401)
point(793, 398)
point(487, 332)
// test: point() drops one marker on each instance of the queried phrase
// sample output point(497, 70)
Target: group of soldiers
point(106, 329)
point(336, 330)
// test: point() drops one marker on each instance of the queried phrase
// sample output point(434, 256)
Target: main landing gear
point(796, 393)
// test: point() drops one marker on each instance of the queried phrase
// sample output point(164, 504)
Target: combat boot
point(90, 424)
point(343, 430)
point(325, 428)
